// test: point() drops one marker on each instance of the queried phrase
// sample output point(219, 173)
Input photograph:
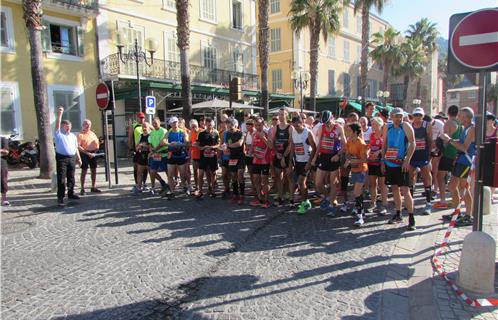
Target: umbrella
point(289, 109)
point(217, 104)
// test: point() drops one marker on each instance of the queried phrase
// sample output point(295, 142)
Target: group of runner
point(292, 153)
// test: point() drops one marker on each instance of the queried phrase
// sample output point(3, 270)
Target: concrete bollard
point(476, 272)
point(487, 197)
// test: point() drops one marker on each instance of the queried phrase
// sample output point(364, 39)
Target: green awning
point(356, 106)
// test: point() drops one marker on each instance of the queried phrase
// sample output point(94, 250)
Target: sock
point(359, 202)
point(398, 212)
point(411, 190)
point(242, 186)
point(344, 183)
point(235, 187)
point(163, 184)
point(428, 194)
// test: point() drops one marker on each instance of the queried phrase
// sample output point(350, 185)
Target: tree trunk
point(263, 48)
point(183, 31)
point(365, 33)
point(406, 81)
point(32, 16)
point(385, 79)
point(419, 87)
point(314, 51)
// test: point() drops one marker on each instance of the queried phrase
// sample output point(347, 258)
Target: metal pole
point(230, 92)
point(138, 76)
point(480, 130)
point(301, 90)
point(114, 134)
point(103, 120)
point(107, 160)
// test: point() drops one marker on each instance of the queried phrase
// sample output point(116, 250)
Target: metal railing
point(86, 4)
point(170, 70)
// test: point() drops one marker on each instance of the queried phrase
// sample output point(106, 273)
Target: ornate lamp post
point(300, 79)
point(416, 103)
point(383, 94)
point(137, 55)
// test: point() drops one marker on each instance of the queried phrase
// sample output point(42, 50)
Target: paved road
point(120, 256)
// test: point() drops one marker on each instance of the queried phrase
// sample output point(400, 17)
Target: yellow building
point(339, 58)
point(69, 60)
point(222, 44)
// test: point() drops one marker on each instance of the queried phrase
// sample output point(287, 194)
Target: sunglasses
point(274, 119)
point(250, 124)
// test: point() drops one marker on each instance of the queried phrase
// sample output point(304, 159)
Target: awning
point(356, 106)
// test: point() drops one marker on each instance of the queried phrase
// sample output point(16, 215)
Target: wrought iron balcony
point(82, 4)
point(170, 71)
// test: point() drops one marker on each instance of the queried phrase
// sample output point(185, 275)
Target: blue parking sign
point(150, 101)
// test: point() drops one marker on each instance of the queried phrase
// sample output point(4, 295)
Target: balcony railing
point(84, 4)
point(170, 70)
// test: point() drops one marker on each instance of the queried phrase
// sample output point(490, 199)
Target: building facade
point(69, 61)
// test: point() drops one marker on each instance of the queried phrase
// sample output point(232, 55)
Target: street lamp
point(383, 94)
point(416, 103)
point(300, 79)
point(137, 55)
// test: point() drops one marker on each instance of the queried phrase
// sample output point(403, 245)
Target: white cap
point(340, 121)
point(419, 111)
point(173, 120)
point(397, 111)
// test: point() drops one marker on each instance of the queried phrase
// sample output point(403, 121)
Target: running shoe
point(395, 219)
point(344, 207)
point(332, 211)
point(187, 191)
point(152, 192)
point(137, 191)
point(255, 203)
point(212, 195)
point(450, 216)
point(199, 195)
point(359, 220)
point(307, 205)
point(265, 205)
point(324, 204)
point(382, 211)
point(441, 205)
point(464, 221)
point(411, 223)
point(428, 209)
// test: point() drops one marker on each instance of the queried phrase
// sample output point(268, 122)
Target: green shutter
point(81, 43)
point(45, 35)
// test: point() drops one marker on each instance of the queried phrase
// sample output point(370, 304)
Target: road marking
point(481, 38)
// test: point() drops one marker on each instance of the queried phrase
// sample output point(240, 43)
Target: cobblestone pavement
point(120, 256)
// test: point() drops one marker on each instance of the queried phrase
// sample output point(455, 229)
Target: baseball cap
point(418, 111)
point(173, 120)
point(341, 121)
point(384, 113)
point(296, 120)
point(233, 121)
point(397, 111)
point(326, 116)
point(140, 115)
point(490, 116)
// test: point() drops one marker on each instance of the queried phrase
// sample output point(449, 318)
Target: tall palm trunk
point(263, 47)
point(33, 18)
point(183, 32)
point(385, 79)
point(314, 51)
point(406, 81)
point(365, 33)
point(419, 88)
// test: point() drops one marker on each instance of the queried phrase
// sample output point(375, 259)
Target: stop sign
point(102, 95)
point(474, 40)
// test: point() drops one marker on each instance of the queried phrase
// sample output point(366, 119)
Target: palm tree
point(263, 47)
point(387, 51)
point(426, 33)
point(365, 6)
point(449, 80)
point(412, 64)
point(183, 42)
point(319, 16)
point(33, 19)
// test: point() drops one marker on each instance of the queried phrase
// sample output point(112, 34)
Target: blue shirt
point(65, 143)
point(396, 145)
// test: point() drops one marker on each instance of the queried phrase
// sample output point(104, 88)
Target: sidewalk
point(422, 294)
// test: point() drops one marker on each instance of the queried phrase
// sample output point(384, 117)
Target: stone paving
point(121, 256)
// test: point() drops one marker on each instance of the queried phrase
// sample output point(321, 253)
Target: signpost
point(473, 47)
point(150, 106)
point(102, 95)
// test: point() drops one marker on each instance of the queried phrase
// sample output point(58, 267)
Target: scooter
point(22, 152)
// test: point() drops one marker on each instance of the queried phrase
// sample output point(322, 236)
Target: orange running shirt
point(357, 150)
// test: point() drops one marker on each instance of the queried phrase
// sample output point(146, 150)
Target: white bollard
point(476, 272)
point(487, 197)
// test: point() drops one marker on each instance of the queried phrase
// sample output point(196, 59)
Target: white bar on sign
point(481, 38)
point(102, 95)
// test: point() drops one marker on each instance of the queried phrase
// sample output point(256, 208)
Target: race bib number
point(249, 150)
point(209, 153)
point(327, 144)
point(226, 152)
point(233, 162)
point(259, 152)
point(355, 162)
point(279, 146)
point(299, 149)
point(156, 157)
point(420, 144)
point(392, 154)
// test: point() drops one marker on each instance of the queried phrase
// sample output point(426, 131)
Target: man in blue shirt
point(67, 157)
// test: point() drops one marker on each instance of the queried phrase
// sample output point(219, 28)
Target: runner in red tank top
point(260, 165)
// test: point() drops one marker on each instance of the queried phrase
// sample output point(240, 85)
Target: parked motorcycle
point(22, 152)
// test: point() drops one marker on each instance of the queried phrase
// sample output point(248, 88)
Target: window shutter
point(45, 34)
point(81, 42)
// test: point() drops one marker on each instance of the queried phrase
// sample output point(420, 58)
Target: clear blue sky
point(402, 13)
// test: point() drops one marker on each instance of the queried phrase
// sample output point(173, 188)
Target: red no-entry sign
point(102, 96)
point(473, 41)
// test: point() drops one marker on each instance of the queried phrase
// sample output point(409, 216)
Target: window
point(347, 84)
point(453, 95)
point(72, 98)
point(358, 24)
point(209, 57)
point(274, 6)
point(345, 18)
point(358, 53)
point(64, 37)
point(6, 30)
point(331, 46)
point(346, 51)
point(172, 51)
point(169, 5)
point(208, 10)
point(238, 61)
point(236, 14)
point(132, 33)
point(331, 82)
point(276, 80)
point(358, 87)
point(472, 95)
point(275, 40)
point(10, 108)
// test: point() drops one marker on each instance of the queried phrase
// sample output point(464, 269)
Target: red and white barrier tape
point(438, 268)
